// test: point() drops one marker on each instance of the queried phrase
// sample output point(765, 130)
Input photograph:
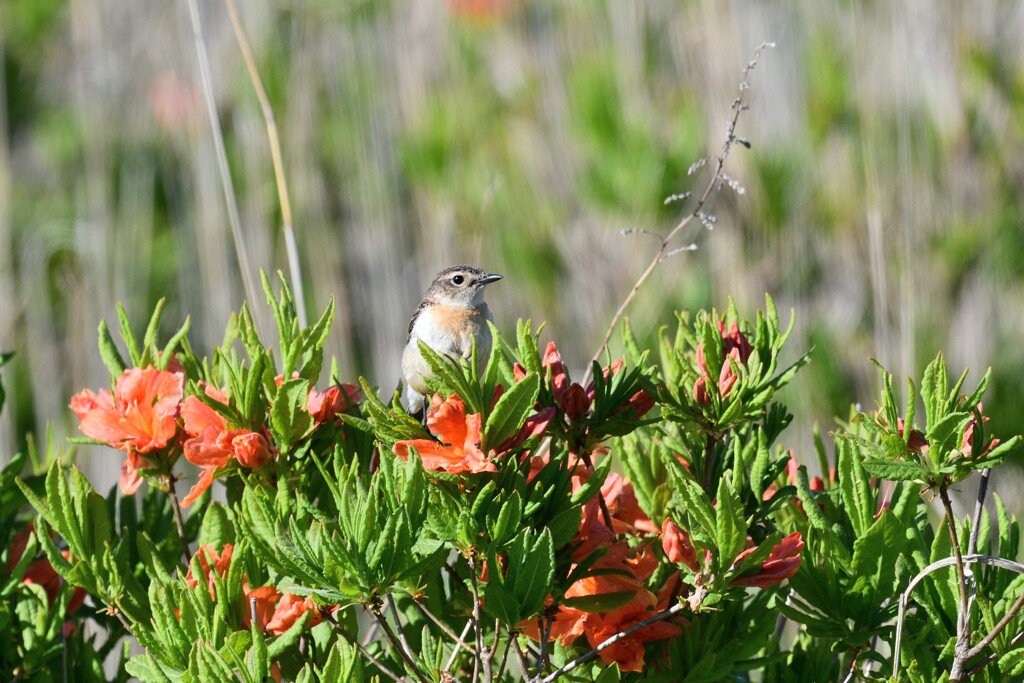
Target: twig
point(444, 627)
point(504, 657)
point(1000, 562)
point(993, 655)
point(222, 159)
point(461, 640)
point(359, 646)
point(544, 634)
point(179, 521)
point(979, 505)
point(524, 665)
point(963, 632)
point(294, 268)
point(482, 655)
point(998, 628)
point(738, 106)
point(583, 659)
point(396, 643)
point(398, 625)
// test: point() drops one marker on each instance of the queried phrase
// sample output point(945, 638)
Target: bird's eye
point(458, 279)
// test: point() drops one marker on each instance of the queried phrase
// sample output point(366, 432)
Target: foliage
point(647, 526)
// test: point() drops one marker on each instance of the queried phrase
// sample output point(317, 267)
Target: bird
point(450, 317)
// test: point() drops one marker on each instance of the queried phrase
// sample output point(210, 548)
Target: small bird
point(451, 315)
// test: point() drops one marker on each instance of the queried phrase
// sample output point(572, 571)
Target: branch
point(944, 562)
point(998, 628)
point(993, 655)
point(179, 521)
point(398, 625)
point(396, 643)
point(963, 631)
point(738, 105)
point(483, 655)
point(326, 613)
point(444, 627)
point(275, 154)
point(461, 641)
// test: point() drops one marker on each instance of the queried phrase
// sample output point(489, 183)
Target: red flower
point(627, 652)
point(457, 450)
point(782, 563)
point(735, 347)
point(967, 442)
point(677, 545)
point(559, 378)
point(574, 401)
point(641, 403)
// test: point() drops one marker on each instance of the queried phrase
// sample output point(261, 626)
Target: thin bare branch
point(1000, 562)
point(396, 643)
point(963, 631)
point(459, 640)
point(738, 106)
point(359, 646)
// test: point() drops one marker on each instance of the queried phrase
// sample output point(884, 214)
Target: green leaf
point(511, 411)
point(109, 353)
point(531, 569)
point(896, 470)
point(854, 487)
point(129, 336)
point(730, 527)
point(508, 519)
point(500, 603)
point(806, 496)
point(698, 508)
point(289, 420)
point(216, 528)
point(874, 558)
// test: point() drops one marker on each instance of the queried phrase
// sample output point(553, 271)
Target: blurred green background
point(883, 191)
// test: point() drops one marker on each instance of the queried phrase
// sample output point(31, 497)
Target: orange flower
point(289, 609)
point(627, 652)
point(323, 406)
point(782, 563)
point(210, 561)
point(266, 598)
point(138, 418)
point(457, 450)
point(213, 445)
point(141, 414)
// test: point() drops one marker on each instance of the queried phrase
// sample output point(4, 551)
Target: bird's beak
point(489, 278)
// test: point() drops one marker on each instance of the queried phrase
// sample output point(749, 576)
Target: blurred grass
point(883, 191)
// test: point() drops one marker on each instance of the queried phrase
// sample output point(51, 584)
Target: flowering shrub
point(640, 526)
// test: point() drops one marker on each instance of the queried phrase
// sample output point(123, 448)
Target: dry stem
point(738, 105)
point(294, 268)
